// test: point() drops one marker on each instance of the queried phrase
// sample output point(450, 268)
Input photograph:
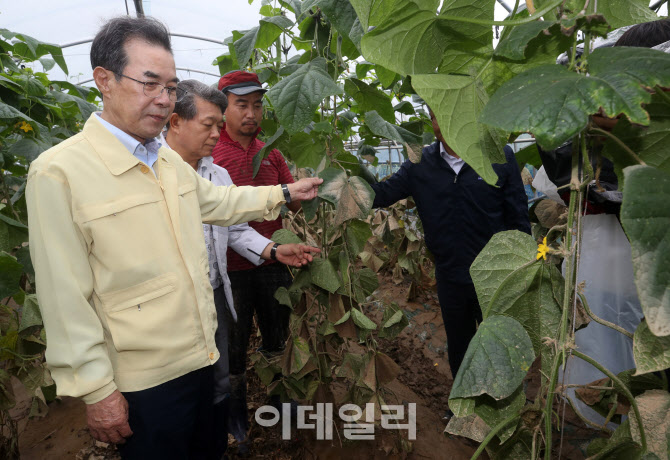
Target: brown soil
point(420, 350)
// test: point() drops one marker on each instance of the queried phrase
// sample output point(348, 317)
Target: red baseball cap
point(240, 82)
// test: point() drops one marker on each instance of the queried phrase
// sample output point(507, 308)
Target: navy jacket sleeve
point(516, 201)
point(395, 188)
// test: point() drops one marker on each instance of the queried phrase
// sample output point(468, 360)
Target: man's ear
point(103, 80)
point(175, 122)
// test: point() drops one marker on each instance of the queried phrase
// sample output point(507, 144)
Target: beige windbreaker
point(120, 262)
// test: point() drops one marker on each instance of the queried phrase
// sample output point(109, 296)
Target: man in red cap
point(253, 287)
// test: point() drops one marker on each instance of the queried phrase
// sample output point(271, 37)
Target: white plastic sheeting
point(606, 266)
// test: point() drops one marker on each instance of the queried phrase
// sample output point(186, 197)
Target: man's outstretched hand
point(304, 189)
point(108, 419)
point(296, 255)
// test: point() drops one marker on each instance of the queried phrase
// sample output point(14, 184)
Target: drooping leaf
point(370, 98)
point(470, 426)
point(386, 77)
point(361, 320)
point(493, 412)
point(357, 234)
point(462, 407)
point(528, 155)
point(504, 253)
point(496, 361)
point(296, 97)
point(282, 296)
point(364, 284)
point(324, 275)
point(341, 15)
point(651, 353)
point(457, 102)
point(299, 354)
point(654, 407)
point(30, 313)
point(352, 196)
point(645, 216)
point(277, 138)
point(382, 128)
point(404, 107)
point(394, 321)
point(554, 103)
point(10, 275)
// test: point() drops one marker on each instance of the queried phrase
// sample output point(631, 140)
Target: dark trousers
point(253, 291)
point(461, 314)
point(174, 420)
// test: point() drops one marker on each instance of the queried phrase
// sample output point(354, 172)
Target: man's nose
point(163, 98)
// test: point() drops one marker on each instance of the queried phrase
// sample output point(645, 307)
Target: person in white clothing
point(193, 131)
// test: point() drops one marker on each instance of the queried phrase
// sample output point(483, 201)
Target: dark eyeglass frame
point(175, 94)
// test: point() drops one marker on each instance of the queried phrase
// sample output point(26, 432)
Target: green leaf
point(386, 77)
point(352, 196)
point(375, 12)
point(356, 235)
point(341, 15)
point(261, 36)
point(361, 320)
point(645, 216)
point(285, 236)
point(370, 98)
point(324, 275)
point(393, 322)
point(404, 107)
point(7, 112)
point(528, 155)
point(513, 46)
point(29, 148)
point(412, 40)
point(494, 412)
point(462, 407)
point(306, 150)
point(310, 207)
point(496, 361)
point(621, 13)
point(296, 97)
point(364, 284)
point(554, 103)
point(30, 313)
point(649, 143)
point(382, 128)
point(457, 102)
point(299, 354)
point(282, 296)
point(10, 275)
point(504, 253)
point(651, 353)
point(277, 138)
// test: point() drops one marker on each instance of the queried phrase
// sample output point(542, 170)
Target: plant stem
point(599, 320)
point(622, 388)
point(550, 402)
point(620, 143)
point(492, 433)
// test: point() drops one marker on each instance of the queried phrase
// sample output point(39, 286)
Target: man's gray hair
point(108, 47)
point(186, 108)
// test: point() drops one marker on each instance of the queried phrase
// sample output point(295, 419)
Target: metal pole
point(139, 9)
point(504, 5)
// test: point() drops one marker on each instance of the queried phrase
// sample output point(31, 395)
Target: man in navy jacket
point(460, 213)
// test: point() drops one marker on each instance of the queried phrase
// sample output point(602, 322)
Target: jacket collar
point(111, 150)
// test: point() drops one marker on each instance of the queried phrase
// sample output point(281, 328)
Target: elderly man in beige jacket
point(120, 260)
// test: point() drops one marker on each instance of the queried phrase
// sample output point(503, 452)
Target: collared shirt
point(238, 161)
point(120, 262)
point(455, 163)
point(147, 153)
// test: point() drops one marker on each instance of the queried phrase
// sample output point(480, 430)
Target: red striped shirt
point(230, 155)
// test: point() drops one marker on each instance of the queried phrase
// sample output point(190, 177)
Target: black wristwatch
point(287, 194)
point(273, 251)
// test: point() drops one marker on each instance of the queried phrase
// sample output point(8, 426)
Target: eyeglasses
point(154, 89)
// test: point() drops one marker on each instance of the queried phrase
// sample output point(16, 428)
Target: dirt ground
point(420, 350)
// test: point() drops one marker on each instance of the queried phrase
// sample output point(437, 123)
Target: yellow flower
point(542, 249)
point(25, 126)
